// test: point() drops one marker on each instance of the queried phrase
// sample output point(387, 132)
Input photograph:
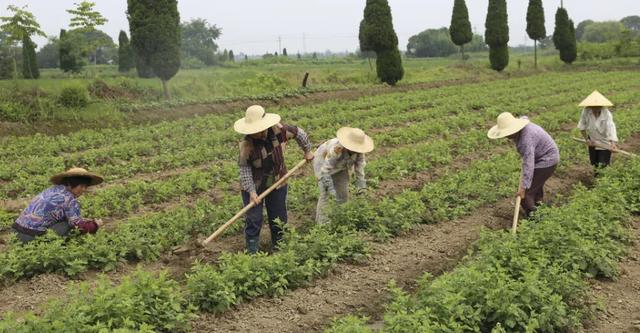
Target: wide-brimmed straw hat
point(595, 99)
point(255, 121)
point(355, 140)
point(507, 125)
point(76, 172)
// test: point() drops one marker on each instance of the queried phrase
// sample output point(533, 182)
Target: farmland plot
point(438, 132)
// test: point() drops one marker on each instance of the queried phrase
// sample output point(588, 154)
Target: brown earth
point(620, 297)
point(362, 288)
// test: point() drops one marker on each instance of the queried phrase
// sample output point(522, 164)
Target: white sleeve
point(583, 124)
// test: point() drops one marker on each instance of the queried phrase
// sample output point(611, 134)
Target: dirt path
point(362, 288)
point(621, 298)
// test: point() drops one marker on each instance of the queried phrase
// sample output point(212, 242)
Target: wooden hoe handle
point(620, 151)
point(514, 225)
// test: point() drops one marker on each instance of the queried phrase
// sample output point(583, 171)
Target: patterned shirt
point(55, 204)
point(538, 150)
point(602, 130)
point(246, 170)
point(331, 158)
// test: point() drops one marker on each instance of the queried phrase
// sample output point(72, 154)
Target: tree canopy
point(438, 43)
point(198, 40)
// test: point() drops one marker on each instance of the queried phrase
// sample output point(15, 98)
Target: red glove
point(87, 227)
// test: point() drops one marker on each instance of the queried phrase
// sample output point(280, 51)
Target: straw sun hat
point(507, 125)
point(255, 121)
point(76, 172)
point(595, 99)
point(355, 140)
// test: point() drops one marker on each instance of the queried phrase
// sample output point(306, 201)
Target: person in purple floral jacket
point(57, 207)
point(540, 156)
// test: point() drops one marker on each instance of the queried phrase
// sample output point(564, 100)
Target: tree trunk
point(462, 51)
point(535, 53)
point(165, 88)
point(370, 66)
point(15, 65)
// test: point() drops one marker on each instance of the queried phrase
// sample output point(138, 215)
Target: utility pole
point(561, 3)
point(280, 44)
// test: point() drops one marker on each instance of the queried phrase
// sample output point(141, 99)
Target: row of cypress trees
point(378, 35)
point(497, 31)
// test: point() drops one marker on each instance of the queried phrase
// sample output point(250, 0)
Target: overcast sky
point(254, 26)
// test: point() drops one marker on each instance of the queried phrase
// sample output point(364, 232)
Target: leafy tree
point(497, 34)
point(602, 32)
point(6, 63)
point(437, 43)
point(225, 55)
point(377, 34)
point(632, 23)
point(125, 54)
point(581, 28)
point(155, 37)
point(71, 52)
point(564, 37)
point(460, 29)
point(535, 25)
point(86, 19)
point(232, 57)
point(48, 56)
point(29, 60)
point(389, 66)
point(22, 23)
point(198, 40)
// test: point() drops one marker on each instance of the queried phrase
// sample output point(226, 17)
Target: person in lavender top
point(540, 156)
point(57, 207)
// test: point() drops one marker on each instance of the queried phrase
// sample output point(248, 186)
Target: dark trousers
point(599, 158)
point(535, 194)
point(60, 228)
point(276, 203)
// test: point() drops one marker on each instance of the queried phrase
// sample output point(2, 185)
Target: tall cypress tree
point(564, 37)
point(377, 34)
point(29, 60)
point(535, 25)
point(140, 35)
point(232, 56)
point(125, 53)
point(155, 36)
point(460, 28)
point(497, 34)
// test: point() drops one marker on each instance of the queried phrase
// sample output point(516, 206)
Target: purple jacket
point(538, 150)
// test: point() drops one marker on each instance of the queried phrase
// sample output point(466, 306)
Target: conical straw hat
point(507, 125)
point(76, 172)
point(595, 99)
point(355, 140)
point(255, 121)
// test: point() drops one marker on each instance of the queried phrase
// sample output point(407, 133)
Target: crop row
point(432, 124)
point(204, 143)
point(532, 282)
point(148, 302)
point(240, 277)
point(163, 230)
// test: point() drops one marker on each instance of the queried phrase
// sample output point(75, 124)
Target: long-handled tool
point(516, 213)
point(620, 151)
point(252, 204)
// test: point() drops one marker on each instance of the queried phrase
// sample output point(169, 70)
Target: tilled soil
point(362, 288)
point(621, 297)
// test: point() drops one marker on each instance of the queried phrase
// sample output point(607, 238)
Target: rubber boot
point(276, 238)
point(253, 244)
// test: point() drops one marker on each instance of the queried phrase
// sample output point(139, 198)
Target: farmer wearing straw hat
point(334, 161)
point(261, 164)
point(598, 129)
point(57, 207)
point(539, 153)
